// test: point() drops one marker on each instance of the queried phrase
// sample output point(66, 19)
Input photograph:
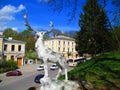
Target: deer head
point(39, 34)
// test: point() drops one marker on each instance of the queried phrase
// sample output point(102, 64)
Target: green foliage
point(101, 71)
point(116, 35)
point(7, 65)
point(9, 33)
point(31, 55)
point(26, 33)
point(29, 39)
point(25, 36)
point(94, 37)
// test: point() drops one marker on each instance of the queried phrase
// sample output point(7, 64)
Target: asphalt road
point(20, 83)
point(26, 80)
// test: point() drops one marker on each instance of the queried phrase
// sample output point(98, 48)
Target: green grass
point(103, 71)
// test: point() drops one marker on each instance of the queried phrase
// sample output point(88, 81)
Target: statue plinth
point(50, 84)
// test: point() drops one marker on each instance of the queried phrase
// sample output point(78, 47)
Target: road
point(25, 81)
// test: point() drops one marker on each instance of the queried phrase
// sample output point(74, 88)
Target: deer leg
point(59, 73)
point(45, 68)
point(64, 69)
point(66, 75)
point(60, 70)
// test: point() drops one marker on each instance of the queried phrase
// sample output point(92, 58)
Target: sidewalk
point(29, 68)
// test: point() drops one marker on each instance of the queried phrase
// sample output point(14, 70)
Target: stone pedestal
point(49, 84)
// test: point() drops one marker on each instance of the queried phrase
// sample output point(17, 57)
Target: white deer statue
point(47, 54)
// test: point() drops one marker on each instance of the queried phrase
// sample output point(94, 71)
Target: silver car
point(54, 67)
point(41, 67)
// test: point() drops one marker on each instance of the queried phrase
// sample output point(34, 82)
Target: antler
point(27, 24)
point(51, 26)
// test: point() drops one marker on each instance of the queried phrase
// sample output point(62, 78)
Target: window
point(59, 49)
point(64, 43)
point(12, 57)
point(68, 50)
point(68, 43)
point(59, 42)
point(72, 43)
point(13, 48)
point(63, 49)
point(19, 48)
point(5, 47)
point(72, 49)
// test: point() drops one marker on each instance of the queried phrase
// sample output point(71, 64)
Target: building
point(12, 49)
point(1, 45)
point(63, 45)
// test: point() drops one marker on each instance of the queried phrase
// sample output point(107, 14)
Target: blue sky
point(39, 15)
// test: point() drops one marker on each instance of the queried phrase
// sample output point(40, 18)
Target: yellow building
point(12, 49)
point(1, 44)
point(63, 45)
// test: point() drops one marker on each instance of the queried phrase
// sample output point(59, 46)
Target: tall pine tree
point(94, 36)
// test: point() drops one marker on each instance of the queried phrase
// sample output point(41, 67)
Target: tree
point(26, 33)
point(10, 33)
point(116, 33)
point(71, 33)
point(94, 36)
point(29, 39)
point(56, 32)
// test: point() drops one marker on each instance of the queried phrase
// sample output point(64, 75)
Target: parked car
point(14, 73)
point(38, 77)
point(41, 67)
point(30, 61)
point(54, 67)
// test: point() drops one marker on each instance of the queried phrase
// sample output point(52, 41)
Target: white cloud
point(7, 13)
point(15, 28)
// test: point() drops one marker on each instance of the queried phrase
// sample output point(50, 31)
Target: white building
point(63, 45)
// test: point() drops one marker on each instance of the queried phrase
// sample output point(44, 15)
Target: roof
point(61, 37)
point(13, 41)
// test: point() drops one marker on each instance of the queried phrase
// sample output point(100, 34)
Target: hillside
point(100, 73)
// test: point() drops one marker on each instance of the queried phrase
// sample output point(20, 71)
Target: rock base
point(49, 84)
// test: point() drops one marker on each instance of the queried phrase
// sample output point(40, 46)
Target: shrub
point(7, 65)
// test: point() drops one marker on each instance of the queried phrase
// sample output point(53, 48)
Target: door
point(19, 62)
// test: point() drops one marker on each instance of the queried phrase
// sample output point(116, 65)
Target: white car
point(41, 67)
point(54, 67)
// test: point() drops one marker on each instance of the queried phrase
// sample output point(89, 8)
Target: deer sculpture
point(46, 54)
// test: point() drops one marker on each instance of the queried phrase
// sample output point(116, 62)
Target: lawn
point(102, 72)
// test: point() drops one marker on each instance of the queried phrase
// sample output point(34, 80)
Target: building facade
point(63, 45)
point(1, 45)
point(12, 50)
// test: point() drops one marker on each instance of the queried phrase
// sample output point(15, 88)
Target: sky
point(39, 15)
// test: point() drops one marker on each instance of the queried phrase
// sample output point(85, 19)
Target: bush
point(7, 65)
